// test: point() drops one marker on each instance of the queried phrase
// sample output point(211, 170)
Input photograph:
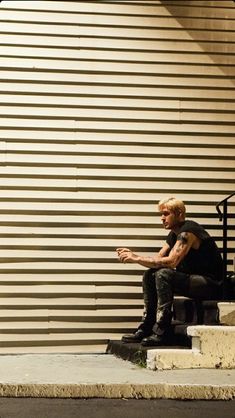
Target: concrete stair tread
point(193, 321)
point(212, 347)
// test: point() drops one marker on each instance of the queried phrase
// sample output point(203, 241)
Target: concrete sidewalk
point(105, 376)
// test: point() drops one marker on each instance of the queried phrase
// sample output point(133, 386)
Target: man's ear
point(180, 214)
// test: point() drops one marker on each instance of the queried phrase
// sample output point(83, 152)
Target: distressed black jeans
point(159, 288)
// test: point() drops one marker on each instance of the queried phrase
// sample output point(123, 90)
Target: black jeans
point(159, 288)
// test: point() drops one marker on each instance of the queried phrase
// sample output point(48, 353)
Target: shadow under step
point(136, 353)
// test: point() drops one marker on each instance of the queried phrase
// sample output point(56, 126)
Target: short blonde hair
point(176, 206)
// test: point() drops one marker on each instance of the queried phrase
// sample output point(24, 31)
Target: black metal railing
point(223, 216)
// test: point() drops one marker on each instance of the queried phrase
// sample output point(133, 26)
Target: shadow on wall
point(211, 25)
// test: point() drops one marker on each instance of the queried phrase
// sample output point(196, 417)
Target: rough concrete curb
point(117, 391)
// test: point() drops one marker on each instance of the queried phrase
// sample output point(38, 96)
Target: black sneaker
point(137, 337)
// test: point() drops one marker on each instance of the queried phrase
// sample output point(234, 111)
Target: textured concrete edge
point(118, 391)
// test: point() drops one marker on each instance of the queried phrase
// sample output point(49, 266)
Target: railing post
point(225, 226)
point(224, 217)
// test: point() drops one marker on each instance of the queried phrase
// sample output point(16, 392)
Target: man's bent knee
point(164, 273)
point(148, 275)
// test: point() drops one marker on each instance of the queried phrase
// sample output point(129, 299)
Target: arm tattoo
point(183, 240)
point(183, 237)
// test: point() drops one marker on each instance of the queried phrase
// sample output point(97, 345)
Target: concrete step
point(187, 312)
point(212, 348)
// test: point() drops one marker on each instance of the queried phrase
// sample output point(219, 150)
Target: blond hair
point(176, 206)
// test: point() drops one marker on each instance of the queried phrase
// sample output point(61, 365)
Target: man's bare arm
point(165, 257)
point(185, 241)
point(127, 256)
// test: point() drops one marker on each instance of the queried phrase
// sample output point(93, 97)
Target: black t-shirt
point(207, 260)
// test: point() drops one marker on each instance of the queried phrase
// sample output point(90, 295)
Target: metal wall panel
point(106, 107)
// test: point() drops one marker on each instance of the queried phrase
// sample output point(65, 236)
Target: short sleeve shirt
point(205, 261)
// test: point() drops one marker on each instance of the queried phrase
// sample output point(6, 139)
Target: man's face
point(169, 219)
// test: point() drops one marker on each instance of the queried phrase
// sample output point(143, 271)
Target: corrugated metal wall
point(106, 107)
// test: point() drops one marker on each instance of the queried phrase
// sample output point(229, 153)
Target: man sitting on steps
point(189, 264)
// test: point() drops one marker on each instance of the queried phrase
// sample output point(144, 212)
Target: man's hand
point(127, 256)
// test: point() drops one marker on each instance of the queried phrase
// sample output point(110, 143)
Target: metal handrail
point(223, 216)
point(224, 201)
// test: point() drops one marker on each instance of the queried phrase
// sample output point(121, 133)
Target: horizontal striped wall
point(106, 107)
